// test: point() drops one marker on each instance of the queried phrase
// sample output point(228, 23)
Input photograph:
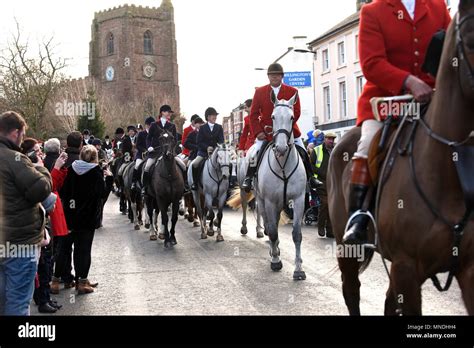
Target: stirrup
point(371, 217)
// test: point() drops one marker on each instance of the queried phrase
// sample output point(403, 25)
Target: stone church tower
point(133, 57)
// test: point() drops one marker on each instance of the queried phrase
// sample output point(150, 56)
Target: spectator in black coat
point(83, 192)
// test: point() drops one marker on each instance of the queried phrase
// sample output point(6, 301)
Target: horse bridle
point(461, 48)
point(219, 181)
point(284, 131)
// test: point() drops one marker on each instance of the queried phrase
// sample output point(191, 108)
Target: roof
point(350, 21)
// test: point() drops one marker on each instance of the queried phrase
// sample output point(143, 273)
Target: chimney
point(360, 3)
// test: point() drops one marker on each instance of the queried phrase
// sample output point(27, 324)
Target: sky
point(219, 42)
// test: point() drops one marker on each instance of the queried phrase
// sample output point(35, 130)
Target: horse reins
point(284, 178)
point(218, 182)
point(457, 228)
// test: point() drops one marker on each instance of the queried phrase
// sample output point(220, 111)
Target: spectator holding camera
point(23, 186)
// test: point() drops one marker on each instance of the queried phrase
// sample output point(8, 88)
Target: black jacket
point(82, 198)
point(191, 144)
point(155, 131)
point(72, 155)
point(50, 160)
point(126, 147)
point(141, 144)
point(206, 138)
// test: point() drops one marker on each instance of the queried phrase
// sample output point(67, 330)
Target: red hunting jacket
point(262, 109)
point(246, 140)
point(57, 218)
point(393, 46)
point(186, 132)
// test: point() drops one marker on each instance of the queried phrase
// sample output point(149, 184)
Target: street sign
point(298, 79)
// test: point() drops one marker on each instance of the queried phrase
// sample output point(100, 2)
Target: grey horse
point(242, 166)
point(281, 180)
point(215, 184)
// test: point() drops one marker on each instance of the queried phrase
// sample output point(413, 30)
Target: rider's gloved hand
point(150, 149)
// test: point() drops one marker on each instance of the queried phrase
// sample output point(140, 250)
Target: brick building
point(133, 57)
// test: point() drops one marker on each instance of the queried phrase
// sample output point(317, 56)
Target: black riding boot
point(146, 181)
point(360, 184)
point(185, 180)
point(134, 179)
point(307, 166)
point(247, 184)
point(195, 172)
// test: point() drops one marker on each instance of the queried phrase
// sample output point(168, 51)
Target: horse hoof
point(219, 238)
point(173, 241)
point(153, 237)
point(203, 236)
point(137, 227)
point(265, 232)
point(196, 224)
point(167, 245)
point(299, 275)
point(260, 235)
point(243, 230)
point(147, 225)
point(276, 266)
point(210, 233)
point(140, 223)
point(124, 213)
point(161, 236)
point(186, 215)
point(181, 212)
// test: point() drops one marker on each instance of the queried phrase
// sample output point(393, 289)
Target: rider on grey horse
point(209, 136)
point(261, 120)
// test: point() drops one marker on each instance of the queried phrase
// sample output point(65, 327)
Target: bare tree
point(28, 81)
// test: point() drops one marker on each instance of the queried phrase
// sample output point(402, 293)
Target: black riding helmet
point(210, 111)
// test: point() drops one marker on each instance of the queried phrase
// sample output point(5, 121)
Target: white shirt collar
point(163, 121)
point(410, 6)
point(276, 90)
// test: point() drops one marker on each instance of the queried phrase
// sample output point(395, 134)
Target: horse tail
point(369, 254)
point(284, 218)
point(235, 200)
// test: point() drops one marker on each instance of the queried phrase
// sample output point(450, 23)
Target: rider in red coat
point(393, 39)
point(246, 140)
point(261, 118)
point(186, 132)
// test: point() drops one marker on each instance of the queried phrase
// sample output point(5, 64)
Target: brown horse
point(416, 233)
point(191, 213)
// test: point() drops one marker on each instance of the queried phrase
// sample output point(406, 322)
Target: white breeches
point(369, 128)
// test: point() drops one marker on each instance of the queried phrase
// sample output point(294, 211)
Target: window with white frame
point(360, 82)
point(325, 60)
point(341, 53)
point(343, 99)
point(327, 102)
point(356, 45)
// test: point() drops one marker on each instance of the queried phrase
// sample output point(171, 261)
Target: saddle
point(200, 170)
point(382, 140)
point(263, 149)
point(376, 154)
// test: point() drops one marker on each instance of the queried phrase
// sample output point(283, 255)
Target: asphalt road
point(202, 277)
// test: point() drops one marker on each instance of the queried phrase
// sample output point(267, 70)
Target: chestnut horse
point(421, 203)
